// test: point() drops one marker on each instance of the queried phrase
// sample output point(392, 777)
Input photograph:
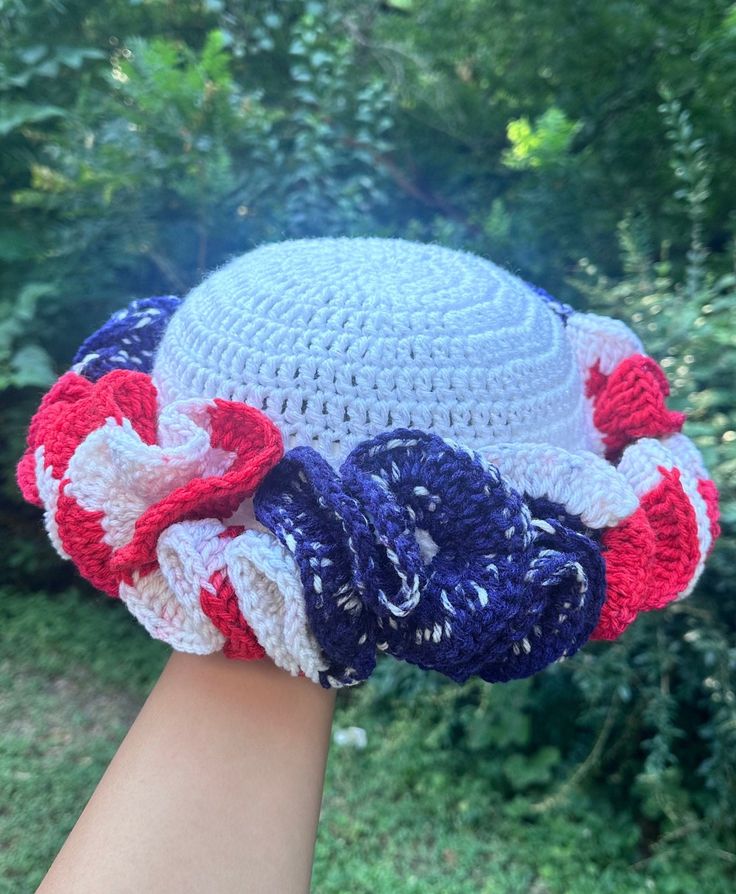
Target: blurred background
point(589, 147)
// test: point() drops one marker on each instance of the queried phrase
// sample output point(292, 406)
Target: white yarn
point(582, 482)
point(48, 492)
point(167, 601)
point(687, 453)
point(115, 472)
point(337, 340)
point(639, 463)
point(154, 604)
point(603, 339)
point(266, 580)
point(189, 553)
point(690, 462)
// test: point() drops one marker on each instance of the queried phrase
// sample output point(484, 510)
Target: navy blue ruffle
point(128, 340)
point(420, 548)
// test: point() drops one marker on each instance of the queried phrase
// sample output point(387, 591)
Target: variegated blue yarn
point(420, 548)
point(303, 501)
point(128, 340)
point(551, 511)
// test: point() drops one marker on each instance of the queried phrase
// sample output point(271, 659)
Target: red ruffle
point(628, 550)
point(222, 608)
point(257, 445)
point(630, 403)
point(75, 407)
point(650, 557)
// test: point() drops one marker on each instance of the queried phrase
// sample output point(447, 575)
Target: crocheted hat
point(334, 447)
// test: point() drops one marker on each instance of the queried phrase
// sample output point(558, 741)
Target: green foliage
point(464, 71)
point(60, 633)
point(73, 671)
point(29, 364)
point(586, 146)
point(539, 145)
point(13, 115)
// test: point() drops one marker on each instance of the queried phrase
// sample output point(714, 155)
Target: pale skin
point(217, 787)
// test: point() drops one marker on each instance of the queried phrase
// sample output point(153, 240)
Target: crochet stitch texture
point(337, 340)
point(333, 448)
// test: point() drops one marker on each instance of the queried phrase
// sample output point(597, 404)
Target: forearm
point(217, 787)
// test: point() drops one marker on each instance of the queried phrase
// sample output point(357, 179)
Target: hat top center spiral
point(336, 340)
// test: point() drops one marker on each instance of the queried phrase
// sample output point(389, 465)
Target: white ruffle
point(48, 492)
point(157, 607)
point(115, 472)
point(583, 483)
point(268, 585)
point(605, 340)
point(167, 601)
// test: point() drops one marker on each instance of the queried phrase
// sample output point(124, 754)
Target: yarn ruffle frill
point(128, 340)
point(657, 551)
point(492, 563)
point(119, 483)
point(421, 549)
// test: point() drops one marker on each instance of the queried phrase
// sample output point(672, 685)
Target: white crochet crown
point(337, 340)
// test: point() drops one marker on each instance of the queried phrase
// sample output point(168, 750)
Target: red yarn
point(65, 392)
point(72, 409)
point(46, 421)
point(238, 428)
point(231, 532)
point(81, 535)
point(75, 407)
point(709, 492)
point(650, 557)
point(222, 608)
point(630, 403)
point(628, 550)
point(596, 380)
point(675, 527)
point(25, 475)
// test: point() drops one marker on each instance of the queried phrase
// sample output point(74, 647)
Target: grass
point(74, 670)
point(73, 674)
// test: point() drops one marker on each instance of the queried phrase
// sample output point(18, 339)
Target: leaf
point(16, 114)
point(14, 317)
point(32, 55)
point(28, 299)
point(74, 57)
point(540, 144)
point(31, 366)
